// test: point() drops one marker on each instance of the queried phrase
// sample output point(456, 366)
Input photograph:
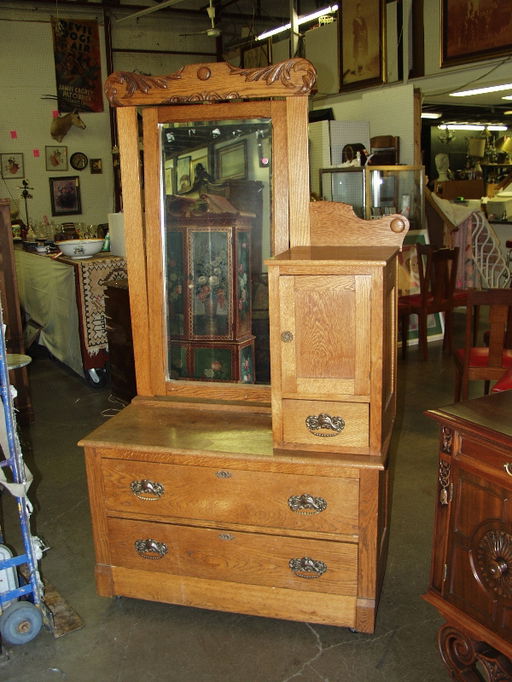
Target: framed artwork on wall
point(65, 196)
point(96, 166)
point(362, 43)
point(183, 174)
point(475, 30)
point(56, 158)
point(12, 166)
point(231, 162)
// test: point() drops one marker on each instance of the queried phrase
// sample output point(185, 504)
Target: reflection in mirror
point(216, 206)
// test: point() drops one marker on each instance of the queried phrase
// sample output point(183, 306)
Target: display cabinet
point(374, 191)
point(176, 478)
point(470, 580)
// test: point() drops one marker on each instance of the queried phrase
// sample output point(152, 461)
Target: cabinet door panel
point(325, 334)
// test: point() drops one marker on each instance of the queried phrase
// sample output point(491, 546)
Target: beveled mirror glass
point(216, 199)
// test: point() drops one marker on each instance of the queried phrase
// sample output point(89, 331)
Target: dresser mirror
point(216, 192)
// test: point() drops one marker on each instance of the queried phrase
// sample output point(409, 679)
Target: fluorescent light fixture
point(301, 20)
point(429, 114)
point(496, 127)
point(461, 126)
point(508, 112)
point(481, 91)
point(507, 97)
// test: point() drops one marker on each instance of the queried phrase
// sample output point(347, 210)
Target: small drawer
point(249, 558)
point(326, 426)
point(487, 460)
point(255, 498)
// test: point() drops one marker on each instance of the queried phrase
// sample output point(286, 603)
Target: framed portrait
point(475, 30)
point(257, 56)
point(65, 196)
point(231, 161)
point(96, 166)
point(12, 166)
point(183, 174)
point(362, 43)
point(56, 158)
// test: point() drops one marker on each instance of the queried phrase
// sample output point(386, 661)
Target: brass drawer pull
point(223, 474)
point(151, 549)
point(508, 468)
point(307, 504)
point(147, 490)
point(286, 337)
point(325, 421)
point(307, 568)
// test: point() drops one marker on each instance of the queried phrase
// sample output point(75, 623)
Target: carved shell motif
point(494, 561)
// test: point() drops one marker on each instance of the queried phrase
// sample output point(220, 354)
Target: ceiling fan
point(213, 31)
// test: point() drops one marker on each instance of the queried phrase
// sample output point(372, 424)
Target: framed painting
point(96, 166)
point(231, 161)
point(362, 43)
point(65, 196)
point(56, 158)
point(475, 30)
point(12, 166)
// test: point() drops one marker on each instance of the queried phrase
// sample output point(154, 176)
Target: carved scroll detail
point(462, 655)
point(446, 440)
point(134, 82)
point(199, 97)
point(444, 482)
point(296, 74)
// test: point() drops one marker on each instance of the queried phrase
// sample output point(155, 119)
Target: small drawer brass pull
point(307, 504)
point(508, 468)
point(223, 474)
point(325, 422)
point(305, 567)
point(151, 549)
point(147, 490)
point(286, 337)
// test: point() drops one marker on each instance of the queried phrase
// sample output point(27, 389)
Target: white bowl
point(80, 248)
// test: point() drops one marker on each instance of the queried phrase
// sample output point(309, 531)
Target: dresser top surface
point(148, 426)
point(490, 413)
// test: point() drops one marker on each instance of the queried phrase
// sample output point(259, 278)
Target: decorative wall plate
point(78, 161)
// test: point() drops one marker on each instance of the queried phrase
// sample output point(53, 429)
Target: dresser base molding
point(218, 595)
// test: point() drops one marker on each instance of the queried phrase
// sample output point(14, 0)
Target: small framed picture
point(231, 161)
point(183, 176)
point(65, 196)
point(56, 158)
point(12, 166)
point(96, 166)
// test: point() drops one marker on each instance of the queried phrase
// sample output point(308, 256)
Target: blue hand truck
point(22, 608)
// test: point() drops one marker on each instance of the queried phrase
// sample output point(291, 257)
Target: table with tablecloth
point(65, 298)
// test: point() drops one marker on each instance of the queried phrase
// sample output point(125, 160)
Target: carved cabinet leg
point(469, 660)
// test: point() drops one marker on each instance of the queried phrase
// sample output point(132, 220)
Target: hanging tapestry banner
point(76, 48)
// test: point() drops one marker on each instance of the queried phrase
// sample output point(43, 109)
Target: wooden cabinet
point(332, 362)
point(193, 499)
point(119, 337)
point(471, 583)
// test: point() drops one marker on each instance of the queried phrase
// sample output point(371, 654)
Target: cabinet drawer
point(487, 460)
point(313, 503)
point(251, 558)
point(311, 423)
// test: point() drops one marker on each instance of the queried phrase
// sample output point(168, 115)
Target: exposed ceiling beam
point(149, 10)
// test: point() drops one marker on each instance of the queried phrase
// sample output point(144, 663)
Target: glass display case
point(375, 191)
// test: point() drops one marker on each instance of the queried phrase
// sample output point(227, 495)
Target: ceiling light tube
point(507, 97)
point(481, 91)
point(301, 20)
point(430, 114)
point(461, 126)
point(496, 127)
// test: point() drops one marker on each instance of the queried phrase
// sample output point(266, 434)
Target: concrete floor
point(128, 640)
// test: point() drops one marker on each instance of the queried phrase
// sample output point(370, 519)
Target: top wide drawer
point(312, 503)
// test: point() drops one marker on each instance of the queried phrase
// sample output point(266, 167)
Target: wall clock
point(78, 161)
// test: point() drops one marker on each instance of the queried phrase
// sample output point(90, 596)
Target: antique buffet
point(213, 488)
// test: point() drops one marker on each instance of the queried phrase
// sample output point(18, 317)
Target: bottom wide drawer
point(251, 558)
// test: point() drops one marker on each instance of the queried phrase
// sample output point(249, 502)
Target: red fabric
point(504, 384)
point(479, 357)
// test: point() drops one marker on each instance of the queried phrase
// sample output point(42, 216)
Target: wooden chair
point(437, 269)
point(486, 362)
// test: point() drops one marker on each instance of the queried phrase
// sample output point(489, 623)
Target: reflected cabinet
point(217, 487)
